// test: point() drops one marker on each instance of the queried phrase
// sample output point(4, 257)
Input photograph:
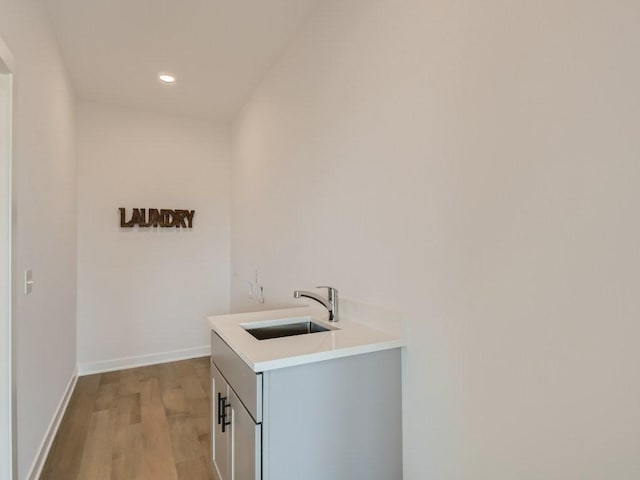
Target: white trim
point(8, 450)
point(103, 366)
point(43, 450)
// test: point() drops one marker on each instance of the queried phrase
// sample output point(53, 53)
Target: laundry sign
point(157, 217)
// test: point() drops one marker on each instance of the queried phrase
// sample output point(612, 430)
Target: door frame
point(8, 451)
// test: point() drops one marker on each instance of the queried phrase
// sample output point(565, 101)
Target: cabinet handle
point(220, 414)
point(223, 416)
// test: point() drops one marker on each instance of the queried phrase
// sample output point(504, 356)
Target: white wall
point(147, 291)
point(474, 164)
point(45, 223)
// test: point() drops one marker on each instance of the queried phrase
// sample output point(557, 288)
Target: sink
point(285, 330)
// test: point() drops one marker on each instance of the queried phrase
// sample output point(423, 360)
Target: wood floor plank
point(195, 469)
point(199, 407)
point(205, 444)
point(167, 376)
point(96, 457)
point(109, 377)
point(204, 376)
point(184, 438)
point(127, 441)
point(67, 449)
point(127, 454)
point(202, 424)
point(174, 402)
point(192, 387)
point(184, 369)
point(146, 423)
point(129, 382)
point(128, 410)
point(157, 451)
point(106, 397)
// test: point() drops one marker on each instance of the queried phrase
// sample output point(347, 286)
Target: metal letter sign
point(158, 218)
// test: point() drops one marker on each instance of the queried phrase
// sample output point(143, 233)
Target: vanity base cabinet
point(235, 438)
point(338, 419)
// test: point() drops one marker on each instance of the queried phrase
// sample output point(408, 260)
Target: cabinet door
point(220, 441)
point(246, 443)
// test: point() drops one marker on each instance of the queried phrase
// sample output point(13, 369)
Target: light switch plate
point(28, 282)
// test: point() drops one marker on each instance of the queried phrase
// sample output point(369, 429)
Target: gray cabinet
point(246, 442)
point(220, 441)
point(336, 419)
point(235, 437)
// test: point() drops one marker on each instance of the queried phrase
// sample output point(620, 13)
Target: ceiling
point(218, 50)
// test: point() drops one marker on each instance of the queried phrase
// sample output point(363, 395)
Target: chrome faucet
point(331, 303)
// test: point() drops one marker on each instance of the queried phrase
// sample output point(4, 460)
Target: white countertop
point(348, 338)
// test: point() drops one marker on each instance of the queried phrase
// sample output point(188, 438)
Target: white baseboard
point(103, 366)
point(43, 450)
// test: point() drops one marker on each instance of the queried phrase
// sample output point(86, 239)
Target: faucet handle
point(332, 297)
point(331, 290)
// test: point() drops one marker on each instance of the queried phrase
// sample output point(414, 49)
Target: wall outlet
point(260, 293)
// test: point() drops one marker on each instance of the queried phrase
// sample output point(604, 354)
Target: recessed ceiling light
point(166, 78)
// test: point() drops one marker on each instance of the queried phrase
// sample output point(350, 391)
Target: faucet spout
point(331, 303)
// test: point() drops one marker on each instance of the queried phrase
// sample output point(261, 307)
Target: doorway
point(6, 364)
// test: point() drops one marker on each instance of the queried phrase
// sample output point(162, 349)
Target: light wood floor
point(147, 423)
